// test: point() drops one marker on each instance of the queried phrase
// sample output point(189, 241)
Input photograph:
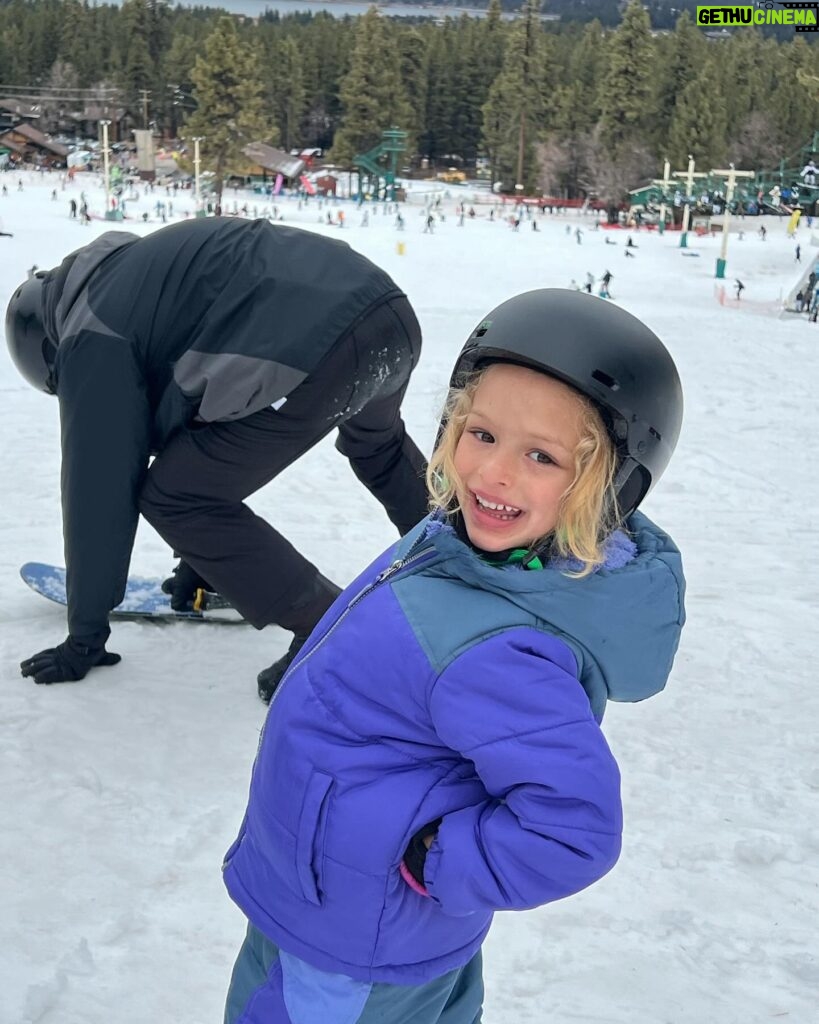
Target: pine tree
point(435, 134)
point(745, 68)
point(491, 28)
point(699, 125)
point(229, 92)
point(325, 48)
point(176, 71)
point(797, 106)
point(74, 48)
point(43, 31)
point(137, 65)
point(371, 95)
point(575, 112)
point(412, 51)
point(678, 57)
point(626, 89)
point(288, 97)
point(513, 113)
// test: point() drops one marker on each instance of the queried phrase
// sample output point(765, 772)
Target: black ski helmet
point(606, 354)
point(31, 350)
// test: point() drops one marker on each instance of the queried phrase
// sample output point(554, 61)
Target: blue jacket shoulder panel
point(621, 623)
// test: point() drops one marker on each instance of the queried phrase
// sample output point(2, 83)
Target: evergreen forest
point(564, 106)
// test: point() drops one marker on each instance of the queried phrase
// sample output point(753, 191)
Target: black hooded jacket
point(210, 319)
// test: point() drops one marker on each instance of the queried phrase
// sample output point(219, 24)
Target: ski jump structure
point(378, 166)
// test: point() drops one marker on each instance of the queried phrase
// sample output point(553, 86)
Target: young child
point(434, 754)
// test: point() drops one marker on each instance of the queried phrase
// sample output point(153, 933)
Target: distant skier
point(798, 254)
point(587, 287)
point(740, 288)
point(763, 233)
point(810, 172)
point(243, 346)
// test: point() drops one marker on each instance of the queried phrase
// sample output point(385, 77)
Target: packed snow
point(122, 792)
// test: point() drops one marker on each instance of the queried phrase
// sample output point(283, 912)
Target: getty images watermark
point(803, 16)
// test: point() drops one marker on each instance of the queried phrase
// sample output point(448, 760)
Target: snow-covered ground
point(121, 793)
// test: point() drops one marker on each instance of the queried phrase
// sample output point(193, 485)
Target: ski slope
point(122, 792)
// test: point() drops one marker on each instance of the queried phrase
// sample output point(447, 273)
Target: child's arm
point(514, 706)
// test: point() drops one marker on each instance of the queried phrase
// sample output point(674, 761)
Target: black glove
point(183, 587)
point(415, 856)
point(68, 662)
point(269, 678)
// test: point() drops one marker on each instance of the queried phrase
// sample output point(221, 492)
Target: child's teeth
point(495, 506)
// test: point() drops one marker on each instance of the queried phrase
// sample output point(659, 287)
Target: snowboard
point(143, 596)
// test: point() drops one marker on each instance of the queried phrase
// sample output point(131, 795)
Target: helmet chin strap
point(629, 474)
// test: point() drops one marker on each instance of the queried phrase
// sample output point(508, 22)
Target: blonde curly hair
point(588, 507)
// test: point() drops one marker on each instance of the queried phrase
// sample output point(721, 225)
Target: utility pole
point(689, 180)
point(729, 195)
point(665, 181)
point(145, 95)
point(104, 125)
point(521, 148)
point(196, 140)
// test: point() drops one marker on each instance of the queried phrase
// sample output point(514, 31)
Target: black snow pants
point(195, 490)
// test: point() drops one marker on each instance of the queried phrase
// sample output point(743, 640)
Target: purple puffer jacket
point(435, 687)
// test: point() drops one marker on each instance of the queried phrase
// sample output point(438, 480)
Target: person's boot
point(301, 620)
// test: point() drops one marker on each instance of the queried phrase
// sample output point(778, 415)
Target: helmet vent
point(654, 433)
point(483, 328)
point(606, 380)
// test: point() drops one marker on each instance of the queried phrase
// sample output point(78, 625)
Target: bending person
point(227, 349)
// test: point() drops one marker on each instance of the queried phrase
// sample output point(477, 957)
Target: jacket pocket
point(311, 835)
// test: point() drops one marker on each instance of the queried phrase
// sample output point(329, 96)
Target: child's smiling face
point(516, 456)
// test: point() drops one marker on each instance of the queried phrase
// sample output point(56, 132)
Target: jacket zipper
point(386, 574)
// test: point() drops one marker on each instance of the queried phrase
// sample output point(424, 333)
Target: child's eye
point(541, 458)
point(483, 436)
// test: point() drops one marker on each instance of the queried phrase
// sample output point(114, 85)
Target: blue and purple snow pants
point(270, 987)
